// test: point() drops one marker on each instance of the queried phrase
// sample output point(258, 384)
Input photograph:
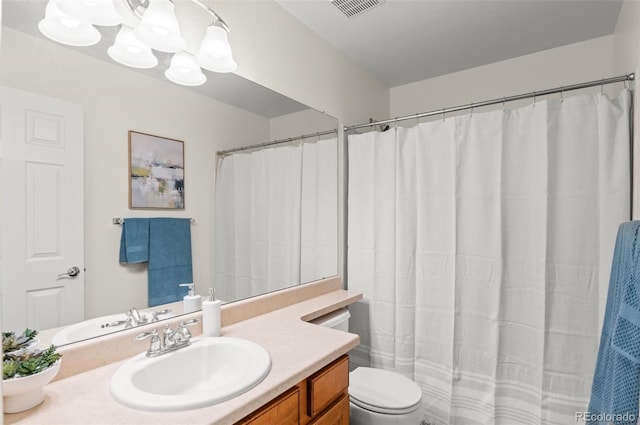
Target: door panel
point(42, 210)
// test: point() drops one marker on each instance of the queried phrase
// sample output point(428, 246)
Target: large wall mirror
point(53, 97)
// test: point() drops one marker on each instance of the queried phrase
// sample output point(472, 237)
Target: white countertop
point(297, 350)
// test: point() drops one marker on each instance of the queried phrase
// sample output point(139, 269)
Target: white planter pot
point(19, 394)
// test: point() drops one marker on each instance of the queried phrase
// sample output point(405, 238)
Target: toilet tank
point(338, 319)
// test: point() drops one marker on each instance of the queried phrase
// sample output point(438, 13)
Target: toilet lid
point(383, 391)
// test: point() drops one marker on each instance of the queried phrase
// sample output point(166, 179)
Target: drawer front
point(281, 411)
point(338, 414)
point(328, 385)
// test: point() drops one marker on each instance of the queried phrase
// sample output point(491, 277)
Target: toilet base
point(360, 416)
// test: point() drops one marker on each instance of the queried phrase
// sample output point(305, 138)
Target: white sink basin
point(95, 327)
point(209, 371)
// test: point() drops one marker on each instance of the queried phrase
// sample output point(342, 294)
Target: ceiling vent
point(352, 8)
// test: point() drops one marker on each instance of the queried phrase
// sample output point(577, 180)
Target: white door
point(41, 222)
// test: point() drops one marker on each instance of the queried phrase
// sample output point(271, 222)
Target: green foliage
point(9, 369)
point(16, 364)
point(11, 342)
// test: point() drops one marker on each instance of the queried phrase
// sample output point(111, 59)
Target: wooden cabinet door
point(338, 414)
point(325, 386)
point(281, 411)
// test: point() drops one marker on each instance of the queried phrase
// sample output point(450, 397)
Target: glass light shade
point(226, 64)
point(96, 12)
point(184, 70)
point(159, 27)
point(128, 50)
point(66, 30)
point(215, 43)
point(215, 51)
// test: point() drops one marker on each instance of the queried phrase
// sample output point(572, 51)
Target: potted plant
point(25, 370)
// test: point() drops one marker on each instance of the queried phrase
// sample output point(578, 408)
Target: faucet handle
point(155, 347)
point(145, 335)
point(154, 315)
point(182, 329)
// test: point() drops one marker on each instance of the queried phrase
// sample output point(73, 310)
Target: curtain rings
point(471, 108)
point(602, 86)
point(561, 94)
point(534, 98)
point(444, 113)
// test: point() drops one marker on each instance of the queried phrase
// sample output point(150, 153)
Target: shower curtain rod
point(595, 83)
point(276, 142)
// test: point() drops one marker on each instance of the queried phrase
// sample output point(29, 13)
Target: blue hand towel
point(169, 259)
point(134, 241)
point(616, 380)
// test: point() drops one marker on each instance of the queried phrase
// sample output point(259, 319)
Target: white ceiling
point(402, 41)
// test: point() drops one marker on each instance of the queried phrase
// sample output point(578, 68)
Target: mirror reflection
point(66, 114)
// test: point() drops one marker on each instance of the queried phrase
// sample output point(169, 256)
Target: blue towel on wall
point(616, 380)
point(169, 259)
point(134, 242)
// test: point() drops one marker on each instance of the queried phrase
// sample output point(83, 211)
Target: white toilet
point(378, 397)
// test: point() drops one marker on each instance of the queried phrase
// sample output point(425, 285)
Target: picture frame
point(156, 172)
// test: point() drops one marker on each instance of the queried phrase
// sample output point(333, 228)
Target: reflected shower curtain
point(275, 218)
point(483, 245)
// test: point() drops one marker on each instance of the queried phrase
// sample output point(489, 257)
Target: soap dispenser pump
point(191, 301)
point(211, 315)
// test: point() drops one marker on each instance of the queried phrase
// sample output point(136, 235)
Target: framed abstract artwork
point(156, 172)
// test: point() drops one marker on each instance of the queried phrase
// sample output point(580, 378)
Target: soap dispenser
point(192, 302)
point(211, 315)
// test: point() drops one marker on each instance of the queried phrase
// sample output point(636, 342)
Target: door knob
point(72, 272)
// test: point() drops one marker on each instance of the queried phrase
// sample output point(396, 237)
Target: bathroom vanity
point(321, 399)
point(307, 383)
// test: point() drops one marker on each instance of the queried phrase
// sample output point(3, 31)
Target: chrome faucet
point(171, 340)
point(135, 318)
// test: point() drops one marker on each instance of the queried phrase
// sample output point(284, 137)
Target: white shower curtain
point(483, 245)
point(275, 218)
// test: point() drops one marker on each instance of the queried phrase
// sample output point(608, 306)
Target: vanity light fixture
point(215, 51)
point(159, 28)
point(67, 30)
point(95, 12)
point(145, 25)
point(130, 51)
point(185, 70)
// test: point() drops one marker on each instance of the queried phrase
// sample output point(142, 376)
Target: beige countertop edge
point(297, 350)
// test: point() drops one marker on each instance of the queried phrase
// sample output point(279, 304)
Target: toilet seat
point(382, 391)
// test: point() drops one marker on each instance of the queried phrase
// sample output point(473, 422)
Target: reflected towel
point(616, 380)
point(134, 241)
point(169, 259)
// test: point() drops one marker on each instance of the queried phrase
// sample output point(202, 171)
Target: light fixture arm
point(217, 19)
point(138, 7)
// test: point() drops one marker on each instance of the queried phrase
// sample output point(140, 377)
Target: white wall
point(277, 51)
point(574, 63)
point(301, 123)
point(117, 100)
